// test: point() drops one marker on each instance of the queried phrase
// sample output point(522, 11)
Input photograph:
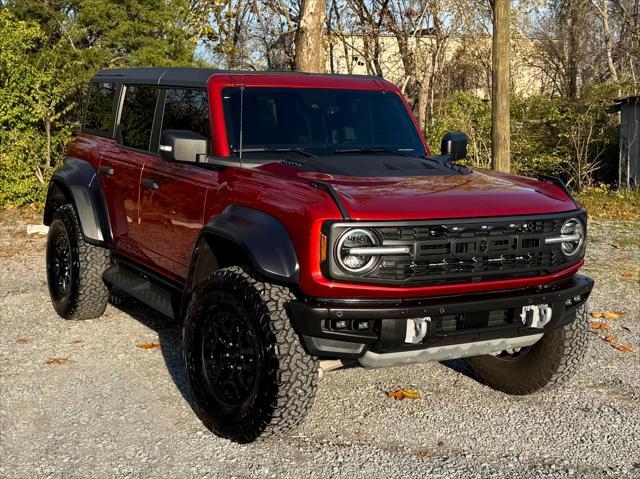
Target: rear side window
point(136, 119)
point(99, 116)
point(186, 110)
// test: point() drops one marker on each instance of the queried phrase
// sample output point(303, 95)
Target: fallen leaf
point(22, 340)
point(147, 345)
point(611, 339)
point(628, 274)
point(597, 314)
point(76, 341)
point(57, 360)
point(627, 348)
point(598, 326)
point(612, 314)
point(425, 453)
point(400, 394)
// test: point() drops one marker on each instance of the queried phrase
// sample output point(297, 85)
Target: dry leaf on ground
point(400, 394)
point(22, 340)
point(147, 345)
point(607, 314)
point(626, 348)
point(57, 360)
point(425, 453)
point(599, 326)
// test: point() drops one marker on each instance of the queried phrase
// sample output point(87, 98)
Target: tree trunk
point(310, 56)
point(47, 129)
point(500, 115)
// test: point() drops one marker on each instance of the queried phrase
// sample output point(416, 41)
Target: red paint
point(159, 228)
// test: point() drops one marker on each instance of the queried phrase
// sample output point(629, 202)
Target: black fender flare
point(77, 182)
point(260, 237)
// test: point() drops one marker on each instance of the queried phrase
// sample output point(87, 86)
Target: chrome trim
point(562, 239)
point(379, 250)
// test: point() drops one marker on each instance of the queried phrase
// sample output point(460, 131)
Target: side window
point(136, 119)
point(100, 108)
point(186, 110)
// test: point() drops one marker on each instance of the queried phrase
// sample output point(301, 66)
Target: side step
point(139, 286)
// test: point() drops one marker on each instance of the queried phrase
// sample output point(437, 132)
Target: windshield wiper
point(373, 149)
point(276, 150)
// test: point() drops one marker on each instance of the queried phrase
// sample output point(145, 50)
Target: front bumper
point(361, 329)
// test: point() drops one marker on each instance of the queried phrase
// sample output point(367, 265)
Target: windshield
point(318, 121)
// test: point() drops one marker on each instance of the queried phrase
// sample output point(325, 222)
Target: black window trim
point(114, 109)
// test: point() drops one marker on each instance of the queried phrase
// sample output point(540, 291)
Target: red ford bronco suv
point(287, 218)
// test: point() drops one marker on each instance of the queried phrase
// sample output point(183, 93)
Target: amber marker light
point(323, 247)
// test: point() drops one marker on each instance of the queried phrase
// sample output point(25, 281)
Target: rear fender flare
point(77, 182)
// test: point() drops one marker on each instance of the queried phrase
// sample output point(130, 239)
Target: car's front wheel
point(249, 375)
point(549, 362)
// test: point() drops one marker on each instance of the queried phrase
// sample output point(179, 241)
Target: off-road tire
point(86, 294)
point(546, 364)
point(286, 376)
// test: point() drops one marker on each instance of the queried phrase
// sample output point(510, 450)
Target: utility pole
point(310, 37)
point(500, 114)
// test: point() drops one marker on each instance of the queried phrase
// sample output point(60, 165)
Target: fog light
point(362, 325)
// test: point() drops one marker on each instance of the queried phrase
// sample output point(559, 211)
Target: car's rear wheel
point(74, 269)
point(248, 373)
point(549, 362)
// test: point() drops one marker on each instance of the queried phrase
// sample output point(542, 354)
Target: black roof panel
point(193, 77)
point(190, 77)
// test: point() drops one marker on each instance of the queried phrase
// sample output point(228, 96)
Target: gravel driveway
point(81, 399)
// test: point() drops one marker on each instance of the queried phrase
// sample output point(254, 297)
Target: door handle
point(149, 183)
point(106, 170)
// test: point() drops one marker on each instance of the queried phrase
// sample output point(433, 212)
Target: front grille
point(469, 250)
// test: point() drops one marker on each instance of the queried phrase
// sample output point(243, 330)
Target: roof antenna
point(241, 115)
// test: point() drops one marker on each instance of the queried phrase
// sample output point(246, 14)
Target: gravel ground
point(109, 409)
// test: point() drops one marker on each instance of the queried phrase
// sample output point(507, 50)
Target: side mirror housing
point(454, 144)
point(183, 145)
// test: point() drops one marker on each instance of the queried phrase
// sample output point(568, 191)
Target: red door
point(120, 171)
point(172, 199)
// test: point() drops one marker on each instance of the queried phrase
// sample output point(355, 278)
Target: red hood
point(479, 193)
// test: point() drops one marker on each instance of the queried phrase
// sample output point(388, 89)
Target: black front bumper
point(346, 329)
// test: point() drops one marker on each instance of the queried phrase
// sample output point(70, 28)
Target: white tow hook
point(416, 330)
point(536, 316)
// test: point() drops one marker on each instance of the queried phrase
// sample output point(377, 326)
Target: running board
point(140, 287)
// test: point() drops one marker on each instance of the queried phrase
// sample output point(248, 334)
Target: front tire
point(248, 373)
point(74, 269)
point(546, 364)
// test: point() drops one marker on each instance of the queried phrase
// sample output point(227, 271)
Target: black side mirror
point(183, 145)
point(454, 144)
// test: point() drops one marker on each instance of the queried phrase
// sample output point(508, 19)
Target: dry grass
point(603, 203)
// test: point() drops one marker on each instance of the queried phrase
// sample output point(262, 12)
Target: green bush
point(572, 138)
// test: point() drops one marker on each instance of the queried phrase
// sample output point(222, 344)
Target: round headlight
point(573, 229)
point(354, 263)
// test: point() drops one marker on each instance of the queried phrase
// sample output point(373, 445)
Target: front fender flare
point(261, 238)
point(78, 183)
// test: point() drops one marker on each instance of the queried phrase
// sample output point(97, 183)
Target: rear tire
point(74, 269)
point(248, 373)
point(546, 364)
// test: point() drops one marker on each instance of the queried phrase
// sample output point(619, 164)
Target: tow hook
point(536, 316)
point(417, 329)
